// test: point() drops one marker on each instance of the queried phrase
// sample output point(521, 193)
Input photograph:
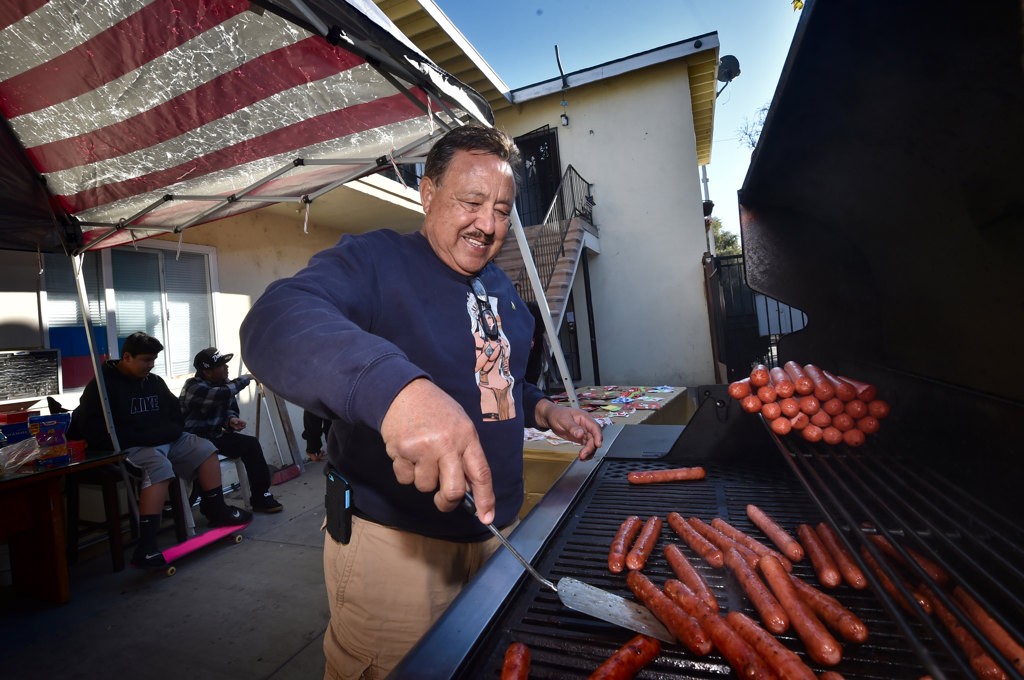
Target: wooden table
point(544, 461)
point(32, 523)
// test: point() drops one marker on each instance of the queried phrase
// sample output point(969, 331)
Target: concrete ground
point(255, 610)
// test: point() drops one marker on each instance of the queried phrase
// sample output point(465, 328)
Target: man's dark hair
point(141, 343)
point(473, 138)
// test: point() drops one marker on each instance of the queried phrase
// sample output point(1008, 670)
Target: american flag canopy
point(152, 116)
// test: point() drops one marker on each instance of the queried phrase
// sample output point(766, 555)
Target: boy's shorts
point(179, 458)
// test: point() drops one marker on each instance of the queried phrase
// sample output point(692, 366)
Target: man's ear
point(427, 190)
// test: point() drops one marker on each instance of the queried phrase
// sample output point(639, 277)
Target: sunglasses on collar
point(488, 321)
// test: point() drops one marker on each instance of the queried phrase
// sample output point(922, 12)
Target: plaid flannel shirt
point(208, 407)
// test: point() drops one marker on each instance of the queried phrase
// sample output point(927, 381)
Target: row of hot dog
point(688, 607)
point(820, 405)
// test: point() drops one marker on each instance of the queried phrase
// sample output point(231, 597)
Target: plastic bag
point(13, 456)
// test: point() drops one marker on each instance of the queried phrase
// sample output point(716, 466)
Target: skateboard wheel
point(172, 570)
point(238, 538)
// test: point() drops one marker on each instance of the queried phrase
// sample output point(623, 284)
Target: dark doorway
point(542, 172)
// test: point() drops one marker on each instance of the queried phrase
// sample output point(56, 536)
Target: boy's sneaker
point(144, 560)
point(266, 503)
point(225, 515)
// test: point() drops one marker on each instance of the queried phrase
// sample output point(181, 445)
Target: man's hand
point(572, 424)
point(434, 445)
point(236, 424)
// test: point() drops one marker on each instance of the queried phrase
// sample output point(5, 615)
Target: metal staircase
point(556, 245)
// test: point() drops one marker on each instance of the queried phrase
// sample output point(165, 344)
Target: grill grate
point(919, 508)
point(565, 644)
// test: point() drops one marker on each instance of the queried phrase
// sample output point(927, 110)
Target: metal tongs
point(581, 597)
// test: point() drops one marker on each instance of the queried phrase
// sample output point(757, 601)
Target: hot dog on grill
point(852, 574)
point(786, 544)
point(517, 662)
point(624, 538)
point(679, 623)
point(821, 646)
point(933, 570)
point(697, 543)
point(759, 376)
point(890, 586)
point(823, 389)
point(637, 556)
point(865, 391)
point(824, 566)
point(723, 542)
point(740, 388)
point(832, 612)
point(759, 548)
point(844, 390)
point(801, 382)
point(682, 568)
point(779, 658)
point(682, 474)
point(982, 663)
point(628, 659)
point(737, 652)
point(772, 614)
point(996, 634)
point(781, 382)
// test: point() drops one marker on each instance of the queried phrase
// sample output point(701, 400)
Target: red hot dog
point(781, 382)
point(637, 557)
point(821, 646)
point(740, 389)
point(629, 659)
point(759, 376)
point(786, 544)
point(865, 391)
point(832, 612)
point(852, 574)
point(517, 662)
point(801, 383)
point(734, 649)
point(844, 390)
point(823, 389)
point(682, 568)
point(824, 566)
point(624, 538)
point(779, 658)
point(683, 474)
point(772, 614)
point(679, 623)
point(697, 543)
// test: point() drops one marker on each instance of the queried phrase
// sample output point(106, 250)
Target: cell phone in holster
point(338, 503)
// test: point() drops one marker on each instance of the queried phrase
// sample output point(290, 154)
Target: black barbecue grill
point(886, 200)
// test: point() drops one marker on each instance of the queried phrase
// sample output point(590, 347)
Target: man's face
point(467, 213)
point(217, 374)
point(136, 365)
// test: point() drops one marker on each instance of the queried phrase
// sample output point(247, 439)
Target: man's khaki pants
point(385, 589)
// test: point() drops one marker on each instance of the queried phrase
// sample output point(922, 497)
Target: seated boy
point(149, 427)
point(211, 410)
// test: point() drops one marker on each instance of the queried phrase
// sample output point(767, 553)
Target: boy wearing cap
point(211, 411)
point(149, 427)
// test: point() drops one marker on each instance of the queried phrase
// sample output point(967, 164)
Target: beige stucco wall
point(632, 137)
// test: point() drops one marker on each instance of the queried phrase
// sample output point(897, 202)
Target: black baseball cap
point(210, 357)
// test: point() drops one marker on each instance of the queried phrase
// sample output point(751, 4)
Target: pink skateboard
point(178, 551)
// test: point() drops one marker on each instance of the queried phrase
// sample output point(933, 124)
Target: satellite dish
point(728, 68)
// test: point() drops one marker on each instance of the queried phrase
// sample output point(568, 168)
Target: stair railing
point(547, 240)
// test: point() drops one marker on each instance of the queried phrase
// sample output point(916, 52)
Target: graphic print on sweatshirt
point(493, 376)
point(146, 404)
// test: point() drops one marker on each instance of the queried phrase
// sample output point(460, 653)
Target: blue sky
point(518, 39)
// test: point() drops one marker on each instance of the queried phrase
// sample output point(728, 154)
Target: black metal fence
point(746, 325)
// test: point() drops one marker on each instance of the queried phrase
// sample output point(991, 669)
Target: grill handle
point(470, 506)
